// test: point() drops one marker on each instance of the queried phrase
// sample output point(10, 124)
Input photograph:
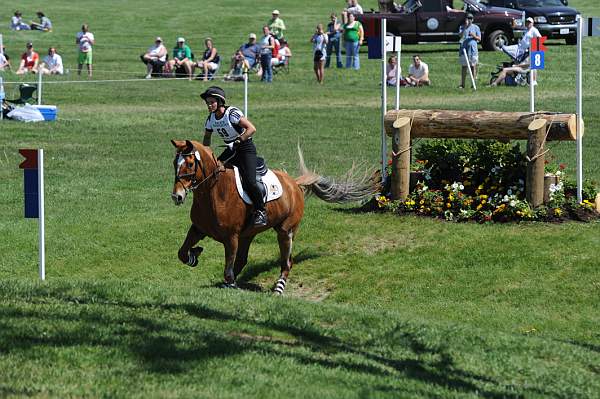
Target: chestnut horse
point(219, 212)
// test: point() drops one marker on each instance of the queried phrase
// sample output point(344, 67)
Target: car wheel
point(496, 40)
point(571, 40)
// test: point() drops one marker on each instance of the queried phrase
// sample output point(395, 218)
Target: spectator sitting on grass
point(4, 60)
point(210, 59)
point(251, 51)
point(29, 61)
point(155, 58)
point(391, 70)
point(182, 58)
point(239, 66)
point(45, 25)
point(511, 71)
point(418, 73)
point(16, 22)
point(52, 64)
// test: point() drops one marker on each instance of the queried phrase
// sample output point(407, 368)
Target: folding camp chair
point(26, 91)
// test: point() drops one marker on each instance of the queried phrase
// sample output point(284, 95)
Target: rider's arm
point(249, 129)
point(206, 140)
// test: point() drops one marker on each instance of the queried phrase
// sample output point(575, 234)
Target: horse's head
point(190, 170)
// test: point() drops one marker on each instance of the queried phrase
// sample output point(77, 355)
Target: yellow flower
point(483, 197)
point(483, 202)
point(480, 186)
point(479, 207)
point(449, 205)
point(557, 211)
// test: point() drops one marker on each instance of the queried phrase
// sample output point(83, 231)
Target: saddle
point(268, 183)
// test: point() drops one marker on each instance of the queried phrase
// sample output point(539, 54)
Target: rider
point(233, 127)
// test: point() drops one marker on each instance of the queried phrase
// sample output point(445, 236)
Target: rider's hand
point(233, 145)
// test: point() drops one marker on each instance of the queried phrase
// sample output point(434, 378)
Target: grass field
point(376, 306)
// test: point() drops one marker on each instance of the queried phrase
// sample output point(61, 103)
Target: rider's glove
point(233, 145)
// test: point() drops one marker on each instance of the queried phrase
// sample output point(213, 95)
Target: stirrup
point(260, 218)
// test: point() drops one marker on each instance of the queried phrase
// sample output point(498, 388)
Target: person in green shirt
point(276, 25)
point(353, 39)
point(182, 58)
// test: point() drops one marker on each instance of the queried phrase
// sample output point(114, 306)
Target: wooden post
point(534, 186)
point(401, 159)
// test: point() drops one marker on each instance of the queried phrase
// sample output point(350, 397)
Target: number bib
point(228, 126)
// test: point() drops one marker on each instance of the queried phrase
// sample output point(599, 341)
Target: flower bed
point(483, 181)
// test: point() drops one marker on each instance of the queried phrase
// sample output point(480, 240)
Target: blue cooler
point(48, 111)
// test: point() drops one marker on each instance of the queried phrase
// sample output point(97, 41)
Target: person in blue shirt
point(470, 37)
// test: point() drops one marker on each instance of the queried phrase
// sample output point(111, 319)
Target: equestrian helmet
point(216, 92)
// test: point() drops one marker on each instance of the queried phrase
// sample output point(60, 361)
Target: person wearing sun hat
point(468, 53)
point(276, 25)
point(237, 132)
point(182, 58)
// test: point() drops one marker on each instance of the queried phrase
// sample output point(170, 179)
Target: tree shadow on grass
point(164, 342)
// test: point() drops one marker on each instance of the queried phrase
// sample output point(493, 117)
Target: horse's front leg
point(231, 247)
point(189, 254)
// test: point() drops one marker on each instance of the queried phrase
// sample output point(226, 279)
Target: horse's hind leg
point(187, 254)
point(285, 239)
point(241, 258)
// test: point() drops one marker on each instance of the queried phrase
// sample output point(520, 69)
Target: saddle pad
point(270, 181)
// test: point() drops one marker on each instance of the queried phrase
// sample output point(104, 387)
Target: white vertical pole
point(383, 100)
point(470, 70)
point(39, 90)
point(398, 66)
point(2, 95)
point(246, 94)
point(42, 246)
point(579, 109)
point(532, 83)
point(1, 44)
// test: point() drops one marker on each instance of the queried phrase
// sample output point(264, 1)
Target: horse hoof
point(229, 285)
point(193, 256)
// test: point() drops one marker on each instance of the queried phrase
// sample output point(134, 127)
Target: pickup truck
point(438, 21)
point(551, 17)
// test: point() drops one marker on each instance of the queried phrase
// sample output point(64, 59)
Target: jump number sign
point(537, 60)
point(537, 52)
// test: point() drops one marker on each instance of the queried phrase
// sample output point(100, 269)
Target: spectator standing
point(418, 73)
point(52, 63)
point(16, 22)
point(353, 38)
point(390, 71)
point(155, 58)
point(29, 61)
point(334, 36)
point(319, 41)
point(354, 7)
point(276, 25)
point(267, 44)
point(45, 24)
point(251, 50)
point(85, 39)
point(470, 37)
point(182, 58)
point(210, 59)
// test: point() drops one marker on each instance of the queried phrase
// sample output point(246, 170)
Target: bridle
point(192, 176)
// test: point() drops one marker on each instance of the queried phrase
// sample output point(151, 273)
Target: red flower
point(562, 166)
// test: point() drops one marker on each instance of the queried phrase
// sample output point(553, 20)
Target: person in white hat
point(182, 58)
point(518, 51)
point(276, 25)
point(250, 50)
point(155, 58)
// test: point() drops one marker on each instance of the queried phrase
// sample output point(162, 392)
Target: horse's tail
point(349, 189)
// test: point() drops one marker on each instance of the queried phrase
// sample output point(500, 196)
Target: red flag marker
point(537, 43)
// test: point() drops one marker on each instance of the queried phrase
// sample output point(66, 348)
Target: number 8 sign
point(537, 60)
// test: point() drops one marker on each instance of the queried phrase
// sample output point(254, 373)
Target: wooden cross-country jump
point(537, 128)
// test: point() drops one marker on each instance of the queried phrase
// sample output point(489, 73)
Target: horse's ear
point(189, 146)
point(178, 143)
